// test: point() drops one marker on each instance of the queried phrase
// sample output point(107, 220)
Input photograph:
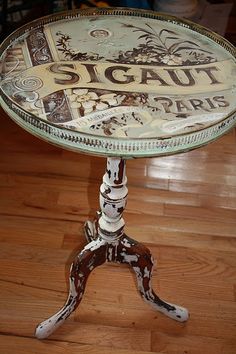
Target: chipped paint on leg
point(140, 259)
point(93, 255)
point(109, 243)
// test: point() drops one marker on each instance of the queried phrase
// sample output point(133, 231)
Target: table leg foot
point(140, 259)
point(93, 255)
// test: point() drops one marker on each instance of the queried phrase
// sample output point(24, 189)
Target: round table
point(122, 84)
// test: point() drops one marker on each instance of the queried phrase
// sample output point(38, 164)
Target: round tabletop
point(119, 82)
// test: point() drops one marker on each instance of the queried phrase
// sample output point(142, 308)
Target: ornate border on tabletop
point(108, 146)
point(118, 147)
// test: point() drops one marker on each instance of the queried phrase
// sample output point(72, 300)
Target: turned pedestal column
point(108, 242)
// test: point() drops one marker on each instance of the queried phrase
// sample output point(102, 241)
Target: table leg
point(140, 259)
point(109, 243)
point(93, 255)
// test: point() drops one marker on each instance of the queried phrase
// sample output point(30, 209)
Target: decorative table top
point(119, 82)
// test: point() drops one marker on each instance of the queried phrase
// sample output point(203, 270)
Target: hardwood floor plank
point(180, 263)
point(204, 188)
point(23, 345)
point(31, 231)
point(198, 213)
point(189, 344)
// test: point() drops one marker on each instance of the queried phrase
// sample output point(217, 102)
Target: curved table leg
point(93, 255)
point(139, 258)
point(108, 243)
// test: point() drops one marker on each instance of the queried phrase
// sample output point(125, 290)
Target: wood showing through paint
point(123, 250)
point(109, 243)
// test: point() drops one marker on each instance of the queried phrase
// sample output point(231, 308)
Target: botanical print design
point(165, 48)
point(63, 44)
point(84, 101)
point(87, 101)
point(139, 114)
point(134, 78)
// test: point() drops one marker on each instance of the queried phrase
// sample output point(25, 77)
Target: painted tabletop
point(119, 82)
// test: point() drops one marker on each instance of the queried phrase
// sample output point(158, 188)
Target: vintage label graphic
point(130, 78)
point(133, 78)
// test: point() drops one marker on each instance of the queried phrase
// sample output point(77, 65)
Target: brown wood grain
point(182, 207)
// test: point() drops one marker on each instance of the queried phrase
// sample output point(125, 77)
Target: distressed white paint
point(94, 245)
point(129, 258)
point(47, 327)
point(109, 256)
point(180, 314)
point(146, 273)
point(126, 243)
point(76, 291)
point(113, 196)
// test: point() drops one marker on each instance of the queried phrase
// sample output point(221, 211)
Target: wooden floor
point(188, 222)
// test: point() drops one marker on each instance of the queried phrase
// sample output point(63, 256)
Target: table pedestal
point(109, 243)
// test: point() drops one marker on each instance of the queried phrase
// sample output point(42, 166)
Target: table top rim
point(115, 12)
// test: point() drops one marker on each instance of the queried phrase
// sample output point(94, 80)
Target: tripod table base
point(97, 252)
